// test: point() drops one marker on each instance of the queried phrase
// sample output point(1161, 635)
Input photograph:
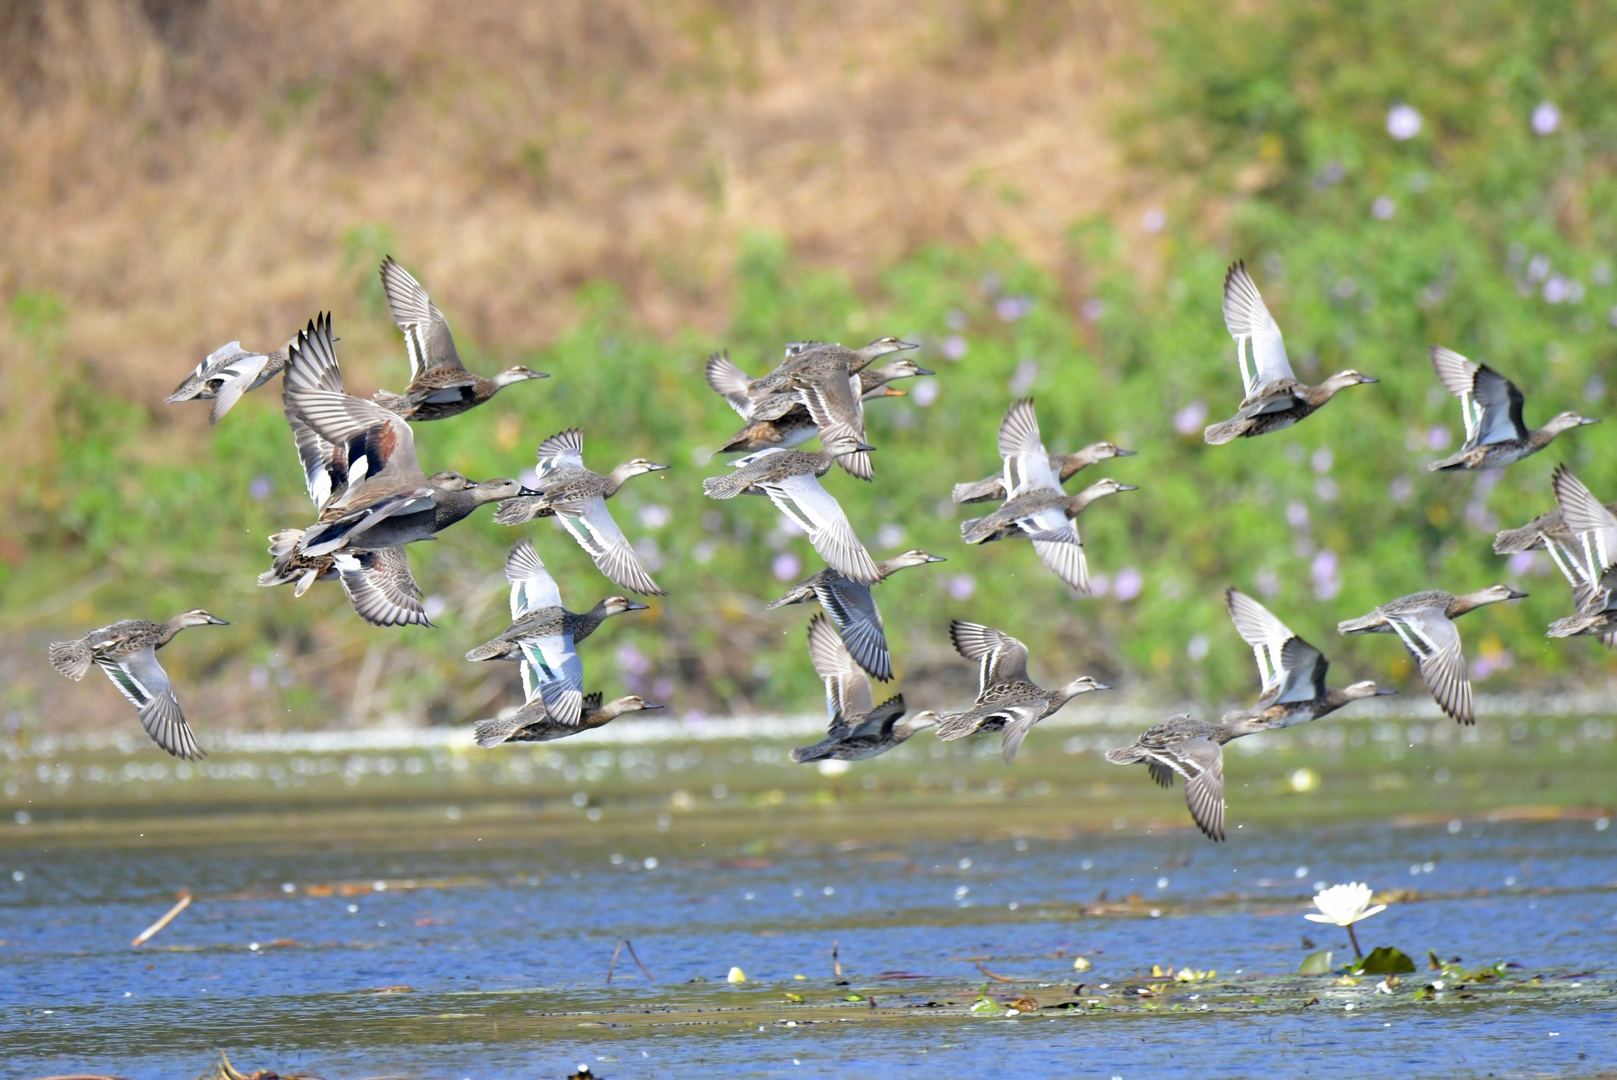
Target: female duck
point(1491, 405)
point(853, 609)
point(1007, 700)
point(1424, 622)
point(1195, 750)
point(534, 723)
point(1274, 399)
point(126, 651)
point(1292, 670)
point(859, 727)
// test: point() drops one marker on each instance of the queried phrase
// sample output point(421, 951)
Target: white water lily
point(1344, 905)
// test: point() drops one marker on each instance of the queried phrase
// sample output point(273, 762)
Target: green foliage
point(1386, 960)
point(1279, 116)
point(1316, 963)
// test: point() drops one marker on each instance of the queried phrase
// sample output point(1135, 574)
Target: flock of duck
point(372, 499)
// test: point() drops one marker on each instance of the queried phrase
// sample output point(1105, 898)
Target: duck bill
point(923, 371)
point(632, 606)
point(1126, 453)
point(1517, 594)
point(1588, 420)
point(654, 467)
point(214, 620)
point(648, 706)
point(1385, 691)
point(1128, 487)
point(936, 558)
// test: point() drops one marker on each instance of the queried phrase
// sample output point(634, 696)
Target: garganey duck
point(1292, 670)
point(853, 609)
point(859, 727)
point(1038, 508)
point(387, 501)
point(229, 372)
point(440, 386)
point(126, 651)
point(536, 609)
point(1424, 621)
point(533, 722)
point(1065, 466)
point(1195, 750)
point(1587, 560)
point(791, 480)
point(577, 496)
point(796, 425)
point(1491, 405)
point(1274, 399)
point(1007, 700)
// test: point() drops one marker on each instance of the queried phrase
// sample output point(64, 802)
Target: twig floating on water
point(168, 917)
point(991, 975)
point(622, 942)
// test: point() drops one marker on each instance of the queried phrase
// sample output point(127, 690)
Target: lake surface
point(421, 909)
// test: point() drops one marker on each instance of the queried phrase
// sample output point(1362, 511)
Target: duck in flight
point(1587, 561)
point(859, 727)
point(1491, 406)
point(1274, 399)
point(1292, 670)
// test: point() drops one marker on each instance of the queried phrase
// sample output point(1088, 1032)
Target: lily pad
point(1316, 963)
point(1386, 960)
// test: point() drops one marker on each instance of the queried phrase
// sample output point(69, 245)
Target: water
point(453, 919)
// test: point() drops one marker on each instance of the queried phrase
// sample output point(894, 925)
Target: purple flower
point(954, 347)
point(1522, 562)
point(1297, 514)
point(924, 392)
point(1011, 308)
point(1099, 584)
point(786, 566)
point(1189, 420)
point(1327, 582)
point(1438, 437)
point(1093, 309)
point(632, 660)
point(1153, 220)
point(261, 488)
point(1556, 289)
point(962, 586)
point(1128, 584)
point(1383, 208)
point(1546, 118)
point(1403, 122)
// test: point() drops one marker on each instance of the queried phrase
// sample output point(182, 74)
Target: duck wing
point(1056, 540)
point(240, 374)
point(553, 673)
point(1594, 526)
point(381, 438)
point(141, 679)
point(1250, 324)
point(730, 383)
point(1019, 720)
point(1027, 463)
point(1434, 641)
point(877, 726)
point(853, 609)
point(1201, 762)
point(1490, 404)
point(563, 450)
point(592, 525)
point(1001, 658)
point(380, 587)
point(426, 332)
point(532, 587)
point(801, 498)
point(1289, 667)
point(835, 410)
point(847, 690)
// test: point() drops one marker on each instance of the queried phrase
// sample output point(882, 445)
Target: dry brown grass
point(181, 172)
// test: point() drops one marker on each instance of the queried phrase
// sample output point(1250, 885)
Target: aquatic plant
point(1344, 905)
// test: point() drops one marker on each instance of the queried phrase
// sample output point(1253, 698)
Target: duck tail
point(1226, 431)
point(799, 595)
point(953, 726)
point(388, 400)
point(517, 511)
point(491, 733)
point(489, 650)
point(976, 530)
point(818, 752)
point(284, 543)
point(1125, 755)
point(1573, 625)
point(726, 487)
point(1364, 624)
point(70, 658)
point(980, 491)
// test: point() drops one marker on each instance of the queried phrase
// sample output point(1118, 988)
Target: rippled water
point(456, 917)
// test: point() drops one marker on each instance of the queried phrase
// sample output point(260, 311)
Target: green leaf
point(1316, 963)
point(1386, 960)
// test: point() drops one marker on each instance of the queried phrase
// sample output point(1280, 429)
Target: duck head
point(629, 704)
point(484, 491)
point(912, 557)
point(1365, 689)
point(1083, 684)
point(517, 374)
point(842, 444)
point(1102, 451)
point(1567, 421)
point(910, 725)
point(197, 617)
point(617, 605)
point(1493, 594)
point(883, 346)
point(904, 368)
point(635, 467)
point(1098, 489)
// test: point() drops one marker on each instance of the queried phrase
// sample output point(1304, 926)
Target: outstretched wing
point(1000, 657)
point(847, 691)
point(426, 331)
point(1434, 641)
point(532, 587)
point(380, 587)
point(1490, 404)
point(1250, 324)
point(1291, 669)
point(1027, 463)
point(1058, 545)
point(1201, 763)
point(853, 608)
point(1019, 720)
point(592, 525)
point(802, 499)
point(143, 681)
point(1594, 526)
point(730, 383)
point(554, 673)
point(562, 450)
